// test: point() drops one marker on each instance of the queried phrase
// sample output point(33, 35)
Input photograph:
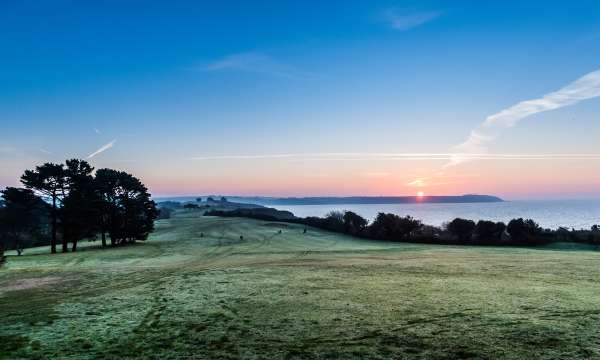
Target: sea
point(550, 214)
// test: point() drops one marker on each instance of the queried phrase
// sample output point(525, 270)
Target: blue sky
point(167, 89)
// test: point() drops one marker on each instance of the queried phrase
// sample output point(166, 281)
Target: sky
point(289, 98)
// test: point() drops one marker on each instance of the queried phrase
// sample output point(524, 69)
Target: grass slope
point(295, 295)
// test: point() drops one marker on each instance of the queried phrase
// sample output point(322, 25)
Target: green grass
point(295, 295)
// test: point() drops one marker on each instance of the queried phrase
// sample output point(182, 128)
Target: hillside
point(196, 288)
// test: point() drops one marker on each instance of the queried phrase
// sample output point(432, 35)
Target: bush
point(354, 224)
point(164, 213)
point(489, 232)
point(524, 232)
point(392, 227)
point(462, 228)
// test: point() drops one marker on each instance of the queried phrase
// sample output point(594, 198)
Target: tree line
point(69, 202)
point(392, 227)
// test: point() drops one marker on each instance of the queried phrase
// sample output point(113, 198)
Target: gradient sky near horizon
point(285, 98)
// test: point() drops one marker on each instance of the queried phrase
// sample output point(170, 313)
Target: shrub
point(462, 228)
point(524, 232)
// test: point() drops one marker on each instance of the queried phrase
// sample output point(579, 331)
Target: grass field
point(295, 295)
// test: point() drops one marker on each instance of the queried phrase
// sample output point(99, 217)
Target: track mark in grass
point(30, 283)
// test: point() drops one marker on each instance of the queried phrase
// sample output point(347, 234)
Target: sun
point(420, 194)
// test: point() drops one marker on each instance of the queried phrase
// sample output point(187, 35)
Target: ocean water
point(578, 214)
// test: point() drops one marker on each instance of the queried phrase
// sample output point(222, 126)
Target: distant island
point(334, 200)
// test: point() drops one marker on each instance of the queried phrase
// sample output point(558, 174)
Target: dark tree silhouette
point(354, 224)
point(191, 206)
point(164, 213)
point(81, 206)
point(128, 214)
point(334, 221)
point(21, 218)
point(523, 231)
point(462, 228)
point(106, 184)
point(48, 181)
point(393, 227)
point(488, 232)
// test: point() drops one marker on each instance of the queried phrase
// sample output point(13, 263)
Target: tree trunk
point(53, 241)
point(65, 238)
point(74, 248)
point(103, 230)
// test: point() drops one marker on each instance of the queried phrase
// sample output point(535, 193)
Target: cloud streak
point(254, 62)
point(102, 149)
point(401, 20)
point(584, 88)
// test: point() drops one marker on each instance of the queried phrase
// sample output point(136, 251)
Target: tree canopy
point(79, 204)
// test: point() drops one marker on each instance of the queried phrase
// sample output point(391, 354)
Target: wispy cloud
point(255, 62)
point(102, 149)
point(406, 20)
point(417, 182)
point(97, 131)
point(586, 87)
point(45, 151)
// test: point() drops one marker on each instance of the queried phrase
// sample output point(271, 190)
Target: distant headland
point(349, 200)
point(334, 200)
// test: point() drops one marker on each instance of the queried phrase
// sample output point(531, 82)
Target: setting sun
point(420, 194)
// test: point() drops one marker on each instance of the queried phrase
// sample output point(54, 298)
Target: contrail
point(584, 88)
point(102, 149)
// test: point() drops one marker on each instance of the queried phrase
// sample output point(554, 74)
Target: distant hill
point(332, 200)
point(348, 200)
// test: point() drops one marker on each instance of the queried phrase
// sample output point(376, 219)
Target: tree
point(128, 211)
point(488, 231)
point(106, 185)
point(334, 221)
point(354, 223)
point(191, 206)
point(138, 211)
point(48, 181)
point(393, 227)
point(21, 218)
point(462, 228)
point(81, 206)
point(164, 213)
point(523, 231)
point(406, 225)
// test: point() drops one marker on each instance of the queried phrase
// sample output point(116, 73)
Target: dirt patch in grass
point(25, 284)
